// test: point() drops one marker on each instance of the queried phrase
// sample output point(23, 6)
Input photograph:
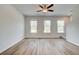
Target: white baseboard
point(11, 45)
point(77, 44)
point(43, 38)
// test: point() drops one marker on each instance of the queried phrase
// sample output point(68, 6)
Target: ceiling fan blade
point(51, 10)
point(39, 10)
point(41, 6)
point(50, 6)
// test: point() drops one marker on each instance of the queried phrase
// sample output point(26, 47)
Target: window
point(47, 26)
point(33, 26)
point(60, 26)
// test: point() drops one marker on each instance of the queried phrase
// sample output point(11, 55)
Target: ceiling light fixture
point(45, 8)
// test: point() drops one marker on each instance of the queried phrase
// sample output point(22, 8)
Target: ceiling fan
point(45, 8)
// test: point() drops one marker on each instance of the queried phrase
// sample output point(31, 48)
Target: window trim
point(49, 27)
point(63, 26)
point(31, 26)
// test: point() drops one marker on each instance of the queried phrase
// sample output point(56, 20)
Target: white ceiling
point(30, 9)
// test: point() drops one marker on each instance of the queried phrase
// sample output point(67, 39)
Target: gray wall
point(11, 27)
point(40, 33)
point(73, 27)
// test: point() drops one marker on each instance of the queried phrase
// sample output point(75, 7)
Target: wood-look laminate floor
point(43, 47)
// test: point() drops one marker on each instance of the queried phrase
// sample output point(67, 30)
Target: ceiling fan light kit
point(45, 8)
